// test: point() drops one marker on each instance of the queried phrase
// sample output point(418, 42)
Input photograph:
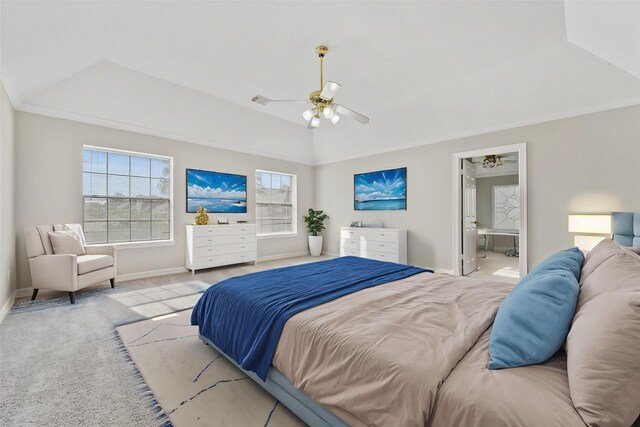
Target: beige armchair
point(65, 272)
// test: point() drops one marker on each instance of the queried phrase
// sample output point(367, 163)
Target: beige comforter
point(378, 356)
point(473, 396)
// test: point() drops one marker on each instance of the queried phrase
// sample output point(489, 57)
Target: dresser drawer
point(209, 231)
point(241, 238)
point(381, 256)
point(199, 242)
point(382, 236)
point(241, 257)
point(349, 252)
point(211, 261)
point(350, 244)
point(242, 247)
point(245, 229)
point(351, 234)
point(387, 247)
point(208, 251)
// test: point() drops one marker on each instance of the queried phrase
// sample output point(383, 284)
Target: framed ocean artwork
point(384, 190)
point(216, 192)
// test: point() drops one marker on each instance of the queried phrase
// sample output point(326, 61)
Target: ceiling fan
point(321, 101)
point(495, 160)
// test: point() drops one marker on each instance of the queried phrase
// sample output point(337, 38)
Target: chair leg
point(33, 296)
point(72, 297)
point(113, 282)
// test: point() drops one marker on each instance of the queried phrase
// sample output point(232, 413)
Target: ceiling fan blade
point(343, 111)
point(329, 90)
point(263, 100)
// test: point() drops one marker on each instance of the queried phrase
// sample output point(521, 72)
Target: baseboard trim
point(24, 292)
point(441, 270)
point(151, 273)
point(282, 256)
point(499, 249)
point(7, 306)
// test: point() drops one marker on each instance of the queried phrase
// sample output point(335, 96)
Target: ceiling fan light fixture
point(491, 161)
point(320, 100)
point(308, 114)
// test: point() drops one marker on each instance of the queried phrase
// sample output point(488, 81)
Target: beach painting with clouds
point(381, 190)
point(216, 192)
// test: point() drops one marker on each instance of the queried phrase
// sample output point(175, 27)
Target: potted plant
point(315, 224)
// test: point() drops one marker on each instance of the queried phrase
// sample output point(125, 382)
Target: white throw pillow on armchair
point(66, 242)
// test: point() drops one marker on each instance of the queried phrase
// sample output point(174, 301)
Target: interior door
point(470, 223)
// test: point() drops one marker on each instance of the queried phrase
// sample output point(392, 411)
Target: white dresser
point(216, 245)
point(383, 244)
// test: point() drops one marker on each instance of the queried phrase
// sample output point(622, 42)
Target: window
point(275, 203)
point(127, 196)
point(506, 206)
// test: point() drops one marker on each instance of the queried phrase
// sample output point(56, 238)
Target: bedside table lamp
point(589, 229)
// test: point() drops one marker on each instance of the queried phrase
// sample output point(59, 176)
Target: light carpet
point(192, 382)
point(63, 365)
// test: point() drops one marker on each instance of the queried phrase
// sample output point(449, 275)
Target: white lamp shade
point(590, 224)
point(307, 114)
point(587, 243)
point(315, 122)
point(335, 118)
point(327, 112)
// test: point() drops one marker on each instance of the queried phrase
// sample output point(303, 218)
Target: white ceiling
point(423, 71)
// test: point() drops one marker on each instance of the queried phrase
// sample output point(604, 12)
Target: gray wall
point(49, 185)
point(484, 206)
point(587, 163)
point(7, 230)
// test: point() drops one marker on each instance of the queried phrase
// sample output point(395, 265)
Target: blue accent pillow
point(533, 321)
point(569, 259)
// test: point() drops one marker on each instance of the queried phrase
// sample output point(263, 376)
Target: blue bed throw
point(244, 316)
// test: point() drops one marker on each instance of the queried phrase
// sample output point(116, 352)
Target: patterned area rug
point(193, 383)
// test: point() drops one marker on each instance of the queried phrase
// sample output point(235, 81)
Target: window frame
point(294, 206)
point(137, 243)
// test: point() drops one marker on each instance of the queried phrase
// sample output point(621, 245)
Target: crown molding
point(28, 107)
point(68, 115)
point(451, 137)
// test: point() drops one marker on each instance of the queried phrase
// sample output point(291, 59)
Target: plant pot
point(315, 245)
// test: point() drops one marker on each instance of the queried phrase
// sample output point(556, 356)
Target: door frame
point(521, 149)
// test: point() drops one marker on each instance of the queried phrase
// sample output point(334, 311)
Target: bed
point(411, 351)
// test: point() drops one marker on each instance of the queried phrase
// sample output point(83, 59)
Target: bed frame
point(278, 386)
